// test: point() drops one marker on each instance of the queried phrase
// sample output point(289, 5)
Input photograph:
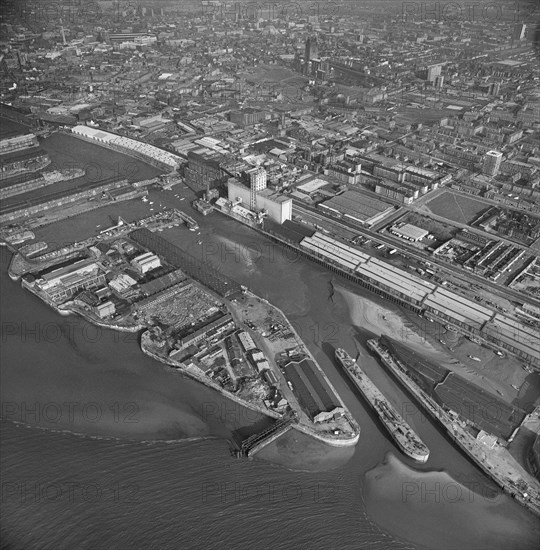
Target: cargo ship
point(401, 432)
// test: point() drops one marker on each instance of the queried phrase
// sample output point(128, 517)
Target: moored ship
point(401, 432)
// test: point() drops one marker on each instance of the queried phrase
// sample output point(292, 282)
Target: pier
point(256, 442)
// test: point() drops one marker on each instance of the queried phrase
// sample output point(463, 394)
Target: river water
point(102, 447)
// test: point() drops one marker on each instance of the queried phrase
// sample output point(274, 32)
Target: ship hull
point(421, 455)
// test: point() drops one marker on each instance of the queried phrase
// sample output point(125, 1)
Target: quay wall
point(307, 254)
point(34, 208)
point(23, 187)
point(38, 183)
point(206, 381)
point(402, 301)
point(434, 410)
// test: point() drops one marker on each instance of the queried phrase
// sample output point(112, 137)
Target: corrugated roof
point(457, 310)
point(510, 331)
point(391, 280)
point(356, 205)
point(340, 246)
point(323, 250)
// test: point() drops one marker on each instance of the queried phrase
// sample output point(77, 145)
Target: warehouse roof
point(411, 231)
point(329, 252)
point(314, 393)
point(342, 246)
point(400, 282)
point(515, 333)
point(486, 312)
point(456, 310)
point(358, 206)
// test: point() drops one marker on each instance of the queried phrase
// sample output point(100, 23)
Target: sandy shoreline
point(493, 374)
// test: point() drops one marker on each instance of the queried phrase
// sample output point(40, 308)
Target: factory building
point(146, 262)
point(278, 207)
point(409, 232)
point(357, 207)
point(212, 330)
point(61, 284)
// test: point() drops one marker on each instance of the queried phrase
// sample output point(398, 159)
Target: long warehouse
point(423, 296)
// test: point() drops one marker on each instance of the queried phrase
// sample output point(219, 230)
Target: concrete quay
point(199, 376)
point(276, 348)
point(495, 462)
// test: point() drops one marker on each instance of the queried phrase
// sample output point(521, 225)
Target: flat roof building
point(64, 282)
point(278, 207)
point(358, 207)
point(146, 262)
point(409, 232)
point(492, 163)
point(314, 394)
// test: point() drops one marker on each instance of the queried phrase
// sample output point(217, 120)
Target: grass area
point(425, 116)
point(281, 78)
point(456, 208)
point(277, 74)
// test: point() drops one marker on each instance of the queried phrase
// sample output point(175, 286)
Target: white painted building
point(146, 262)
